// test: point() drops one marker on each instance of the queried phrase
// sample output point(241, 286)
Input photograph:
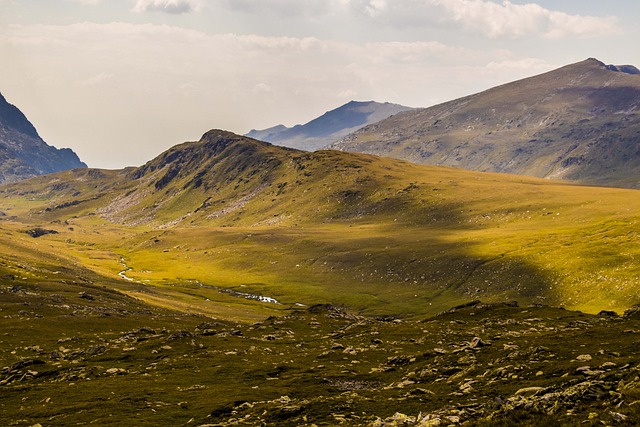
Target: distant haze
point(119, 81)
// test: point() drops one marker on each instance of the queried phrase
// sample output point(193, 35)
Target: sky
point(120, 81)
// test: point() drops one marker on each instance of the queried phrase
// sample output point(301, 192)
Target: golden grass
point(378, 235)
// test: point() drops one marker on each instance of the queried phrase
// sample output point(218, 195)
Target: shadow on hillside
point(421, 262)
point(435, 269)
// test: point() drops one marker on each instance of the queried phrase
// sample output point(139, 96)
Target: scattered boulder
point(633, 312)
point(86, 296)
point(93, 351)
point(115, 371)
point(529, 391)
point(39, 232)
point(179, 335)
point(399, 360)
point(22, 364)
point(587, 371)
point(618, 417)
point(608, 313)
point(478, 342)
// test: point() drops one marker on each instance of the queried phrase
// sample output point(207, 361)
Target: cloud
point(87, 2)
point(534, 64)
point(309, 8)
point(121, 93)
point(96, 80)
point(493, 20)
point(168, 6)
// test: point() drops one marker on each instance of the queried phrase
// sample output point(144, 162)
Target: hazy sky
point(120, 81)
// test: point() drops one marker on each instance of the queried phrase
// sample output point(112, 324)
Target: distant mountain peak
point(219, 135)
point(329, 127)
point(266, 134)
point(355, 103)
point(627, 69)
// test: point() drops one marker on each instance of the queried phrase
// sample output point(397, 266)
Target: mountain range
point(23, 153)
point(352, 228)
point(330, 127)
point(580, 123)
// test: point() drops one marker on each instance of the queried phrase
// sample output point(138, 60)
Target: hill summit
point(579, 122)
point(23, 153)
point(330, 127)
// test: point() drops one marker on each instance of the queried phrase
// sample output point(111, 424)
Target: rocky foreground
point(96, 357)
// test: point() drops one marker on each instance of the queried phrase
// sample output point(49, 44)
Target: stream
point(123, 273)
point(260, 298)
point(231, 292)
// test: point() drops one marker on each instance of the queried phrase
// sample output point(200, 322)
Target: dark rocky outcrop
point(39, 232)
point(23, 153)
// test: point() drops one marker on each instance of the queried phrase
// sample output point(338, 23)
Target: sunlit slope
point(378, 235)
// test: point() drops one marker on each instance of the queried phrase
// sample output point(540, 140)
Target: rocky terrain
point(116, 362)
point(330, 127)
point(23, 153)
point(579, 123)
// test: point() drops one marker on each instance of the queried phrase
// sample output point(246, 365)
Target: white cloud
point(167, 6)
point(493, 20)
point(533, 64)
point(96, 80)
point(281, 7)
point(262, 88)
point(563, 25)
point(87, 2)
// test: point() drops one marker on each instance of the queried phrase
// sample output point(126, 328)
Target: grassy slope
point(378, 235)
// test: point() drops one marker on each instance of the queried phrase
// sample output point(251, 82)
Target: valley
point(376, 235)
point(229, 281)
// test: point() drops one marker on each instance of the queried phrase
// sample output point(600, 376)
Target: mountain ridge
point(23, 153)
point(11, 116)
point(580, 123)
point(329, 127)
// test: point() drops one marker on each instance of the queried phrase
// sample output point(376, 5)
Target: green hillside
point(208, 224)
